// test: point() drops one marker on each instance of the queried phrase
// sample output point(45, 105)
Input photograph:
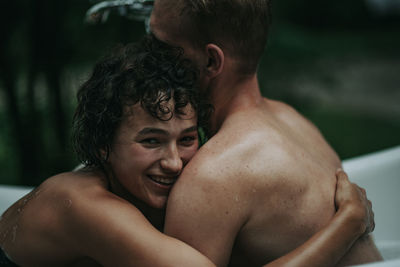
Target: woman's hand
point(351, 198)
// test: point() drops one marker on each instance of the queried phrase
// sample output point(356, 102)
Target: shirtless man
point(110, 212)
point(263, 155)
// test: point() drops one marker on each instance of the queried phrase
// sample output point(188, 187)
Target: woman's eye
point(150, 141)
point(188, 140)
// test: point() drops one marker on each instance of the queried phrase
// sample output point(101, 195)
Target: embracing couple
point(265, 189)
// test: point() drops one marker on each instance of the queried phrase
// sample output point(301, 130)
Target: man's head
point(148, 73)
point(238, 27)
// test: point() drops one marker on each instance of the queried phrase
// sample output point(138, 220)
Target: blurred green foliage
point(336, 62)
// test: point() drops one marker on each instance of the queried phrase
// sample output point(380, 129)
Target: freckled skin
point(265, 181)
point(286, 197)
point(67, 203)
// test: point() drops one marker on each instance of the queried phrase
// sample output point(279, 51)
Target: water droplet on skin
point(14, 233)
point(3, 237)
point(67, 202)
point(37, 192)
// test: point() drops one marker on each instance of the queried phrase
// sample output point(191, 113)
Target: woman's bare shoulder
point(73, 181)
point(39, 219)
point(50, 201)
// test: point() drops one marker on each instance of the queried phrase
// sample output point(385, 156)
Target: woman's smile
point(148, 154)
point(163, 180)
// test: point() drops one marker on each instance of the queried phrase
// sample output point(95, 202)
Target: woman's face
point(148, 154)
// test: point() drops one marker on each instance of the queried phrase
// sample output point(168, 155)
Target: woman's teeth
point(163, 180)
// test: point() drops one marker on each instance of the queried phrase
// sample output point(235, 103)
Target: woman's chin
point(158, 202)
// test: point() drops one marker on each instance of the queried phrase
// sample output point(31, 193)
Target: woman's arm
point(113, 232)
point(354, 218)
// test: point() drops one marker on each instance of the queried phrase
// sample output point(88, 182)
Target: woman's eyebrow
point(149, 130)
point(190, 129)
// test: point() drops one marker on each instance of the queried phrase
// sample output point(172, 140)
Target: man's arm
point(354, 218)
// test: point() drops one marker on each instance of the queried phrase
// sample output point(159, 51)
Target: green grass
point(352, 134)
point(314, 70)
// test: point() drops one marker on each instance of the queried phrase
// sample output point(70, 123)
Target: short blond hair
point(239, 27)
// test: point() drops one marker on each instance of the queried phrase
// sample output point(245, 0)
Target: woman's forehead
point(137, 115)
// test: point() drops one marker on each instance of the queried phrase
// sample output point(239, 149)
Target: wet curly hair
point(148, 72)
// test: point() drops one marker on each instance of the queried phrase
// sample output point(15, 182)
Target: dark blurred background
point(337, 62)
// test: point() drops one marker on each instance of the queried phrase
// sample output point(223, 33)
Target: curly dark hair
point(149, 72)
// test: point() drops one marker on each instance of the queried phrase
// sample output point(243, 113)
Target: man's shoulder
point(239, 165)
point(217, 157)
point(290, 116)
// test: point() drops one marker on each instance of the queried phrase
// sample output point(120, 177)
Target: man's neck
point(230, 95)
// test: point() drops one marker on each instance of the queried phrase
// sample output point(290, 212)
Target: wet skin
point(85, 218)
point(149, 154)
point(267, 171)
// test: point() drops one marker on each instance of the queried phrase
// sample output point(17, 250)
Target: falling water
point(133, 9)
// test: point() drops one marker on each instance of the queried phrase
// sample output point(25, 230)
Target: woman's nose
point(172, 161)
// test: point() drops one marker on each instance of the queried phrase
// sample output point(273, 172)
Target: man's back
point(267, 178)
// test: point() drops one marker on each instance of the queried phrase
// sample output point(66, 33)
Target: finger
point(341, 176)
point(363, 190)
point(360, 190)
point(372, 218)
point(340, 172)
point(371, 228)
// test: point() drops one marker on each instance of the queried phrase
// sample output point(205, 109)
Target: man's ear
point(104, 154)
point(216, 60)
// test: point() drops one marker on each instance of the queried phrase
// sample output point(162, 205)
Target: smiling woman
point(164, 148)
point(135, 128)
point(149, 100)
